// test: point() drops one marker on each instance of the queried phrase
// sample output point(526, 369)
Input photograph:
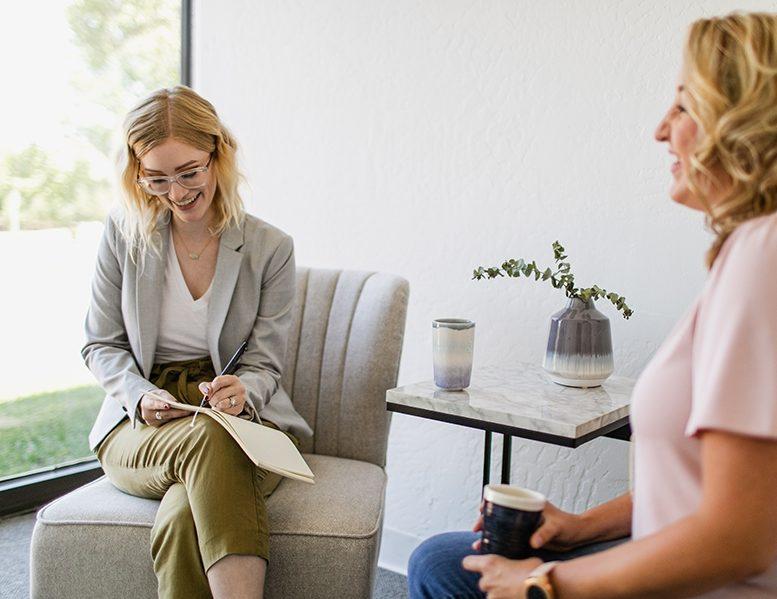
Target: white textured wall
point(427, 137)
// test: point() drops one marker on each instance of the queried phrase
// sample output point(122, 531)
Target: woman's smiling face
point(170, 158)
point(680, 131)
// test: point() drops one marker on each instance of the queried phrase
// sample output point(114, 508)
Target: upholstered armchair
point(343, 355)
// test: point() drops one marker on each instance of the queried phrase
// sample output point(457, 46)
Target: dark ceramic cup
point(510, 517)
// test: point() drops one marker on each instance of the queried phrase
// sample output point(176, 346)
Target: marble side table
point(522, 401)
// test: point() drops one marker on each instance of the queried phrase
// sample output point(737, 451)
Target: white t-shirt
point(183, 320)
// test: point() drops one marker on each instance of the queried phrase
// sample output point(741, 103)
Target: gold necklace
point(194, 255)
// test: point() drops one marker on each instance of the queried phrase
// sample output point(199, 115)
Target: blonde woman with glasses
point(703, 513)
point(184, 276)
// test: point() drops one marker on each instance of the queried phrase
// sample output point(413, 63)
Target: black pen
point(228, 369)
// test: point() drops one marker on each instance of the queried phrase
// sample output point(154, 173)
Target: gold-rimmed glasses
point(159, 185)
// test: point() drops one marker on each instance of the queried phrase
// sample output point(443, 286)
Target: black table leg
point(507, 446)
point(623, 433)
point(487, 460)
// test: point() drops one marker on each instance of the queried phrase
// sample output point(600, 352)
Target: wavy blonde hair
point(179, 113)
point(730, 76)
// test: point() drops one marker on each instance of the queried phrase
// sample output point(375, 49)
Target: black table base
point(507, 446)
point(619, 429)
point(623, 433)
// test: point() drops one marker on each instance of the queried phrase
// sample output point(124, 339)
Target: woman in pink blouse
point(703, 513)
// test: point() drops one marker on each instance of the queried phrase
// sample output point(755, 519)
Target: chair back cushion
point(343, 355)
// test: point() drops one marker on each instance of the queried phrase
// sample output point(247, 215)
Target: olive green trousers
point(212, 495)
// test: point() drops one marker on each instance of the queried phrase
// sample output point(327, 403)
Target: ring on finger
point(158, 415)
point(232, 402)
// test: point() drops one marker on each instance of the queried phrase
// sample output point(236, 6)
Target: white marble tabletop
point(523, 396)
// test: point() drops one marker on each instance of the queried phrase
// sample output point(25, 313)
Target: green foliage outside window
point(46, 428)
point(120, 51)
point(130, 48)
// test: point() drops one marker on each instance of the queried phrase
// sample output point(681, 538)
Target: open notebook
point(267, 447)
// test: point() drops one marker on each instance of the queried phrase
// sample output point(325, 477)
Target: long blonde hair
point(731, 79)
point(179, 113)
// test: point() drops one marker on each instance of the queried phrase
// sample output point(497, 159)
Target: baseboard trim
point(395, 549)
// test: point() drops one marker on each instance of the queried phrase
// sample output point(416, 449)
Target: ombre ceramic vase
point(579, 352)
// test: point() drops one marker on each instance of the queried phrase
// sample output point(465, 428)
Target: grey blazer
point(251, 298)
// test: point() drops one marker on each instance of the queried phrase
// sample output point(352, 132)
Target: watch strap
point(542, 569)
point(539, 579)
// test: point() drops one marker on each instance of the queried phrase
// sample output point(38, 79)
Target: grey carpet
point(15, 535)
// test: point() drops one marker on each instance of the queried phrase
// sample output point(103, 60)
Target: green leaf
point(562, 278)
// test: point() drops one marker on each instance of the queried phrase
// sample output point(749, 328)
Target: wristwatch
point(537, 585)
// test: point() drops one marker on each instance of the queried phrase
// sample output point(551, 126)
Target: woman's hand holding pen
point(156, 412)
point(226, 393)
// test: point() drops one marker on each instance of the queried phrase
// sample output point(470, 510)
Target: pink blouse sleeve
point(735, 338)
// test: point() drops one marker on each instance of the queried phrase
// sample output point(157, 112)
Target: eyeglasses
point(191, 179)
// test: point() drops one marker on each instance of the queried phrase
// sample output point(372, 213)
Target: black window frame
point(29, 491)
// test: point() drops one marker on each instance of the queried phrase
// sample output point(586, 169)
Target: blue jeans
point(435, 570)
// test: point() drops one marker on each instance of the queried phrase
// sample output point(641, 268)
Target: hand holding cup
point(510, 517)
point(558, 530)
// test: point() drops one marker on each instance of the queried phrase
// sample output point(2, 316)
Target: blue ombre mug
point(453, 340)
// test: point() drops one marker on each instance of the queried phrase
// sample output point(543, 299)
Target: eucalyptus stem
point(560, 277)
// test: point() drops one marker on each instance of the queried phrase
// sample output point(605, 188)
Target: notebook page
point(271, 447)
point(267, 447)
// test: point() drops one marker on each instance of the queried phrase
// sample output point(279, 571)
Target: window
point(71, 69)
